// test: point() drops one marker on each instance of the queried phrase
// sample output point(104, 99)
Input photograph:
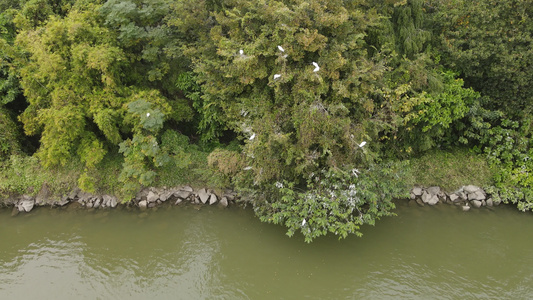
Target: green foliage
point(9, 136)
point(334, 201)
point(490, 44)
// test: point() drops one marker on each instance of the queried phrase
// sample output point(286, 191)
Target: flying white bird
point(241, 52)
point(317, 68)
point(147, 115)
point(252, 137)
point(281, 48)
point(362, 144)
point(276, 76)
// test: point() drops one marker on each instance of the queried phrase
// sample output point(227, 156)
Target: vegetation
point(322, 111)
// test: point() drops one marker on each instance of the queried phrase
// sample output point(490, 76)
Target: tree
point(295, 81)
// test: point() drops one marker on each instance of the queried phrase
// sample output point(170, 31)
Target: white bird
point(303, 222)
point(147, 115)
point(362, 144)
point(247, 168)
point(281, 48)
point(241, 52)
point(276, 76)
point(317, 68)
point(252, 137)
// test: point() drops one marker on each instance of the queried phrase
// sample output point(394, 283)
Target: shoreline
point(467, 196)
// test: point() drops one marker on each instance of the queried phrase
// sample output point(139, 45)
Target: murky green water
point(185, 253)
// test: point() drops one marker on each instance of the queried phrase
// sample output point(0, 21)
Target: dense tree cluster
point(322, 97)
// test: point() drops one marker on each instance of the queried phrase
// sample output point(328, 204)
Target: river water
point(211, 253)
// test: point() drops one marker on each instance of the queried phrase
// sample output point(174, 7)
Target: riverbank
point(469, 196)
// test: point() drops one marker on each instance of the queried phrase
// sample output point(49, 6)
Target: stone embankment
point(146, 198)
point(467, 197)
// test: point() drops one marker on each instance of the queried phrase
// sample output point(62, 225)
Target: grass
point(449, 169)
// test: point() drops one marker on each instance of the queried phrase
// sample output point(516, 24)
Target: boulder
point(466, 208)
point(433, 200)
point(97, 202)
point(143, 204)
point(43, 196)
point(165, 195)
point(61, 202)
point(187, 189)
point(212, 199)
point(433, 190)
point(178, 201)
point(469, 189)
point(417, 191)
point(454, 197)
point(224, 202)
point(476, 203)
point(203, 195)
point(26, 203)
point(477, 195)
point(182, 194)
point(489, 202)
point(152, 197)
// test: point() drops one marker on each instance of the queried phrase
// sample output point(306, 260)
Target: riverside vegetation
point(320, 112)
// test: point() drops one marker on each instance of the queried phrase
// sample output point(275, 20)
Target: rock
point(224, 202)
point(477, 195)
point(151, 205)
point(152, 197)
point(182, 194)
point(434, 190)
point(43, 196)
point(15, 211)
point(143, 204)
point(430, 199)
point(178, 201)
point(433, 200)
point(417, 191)
point(212, 199)
point(420, 202)
point(476, 203)
point(469, 189)
point(203, 195)
point(466, 208)
point(454, 197)
point(97, 203)
point(61, 202)
point(412, 196)
point(74, 193)
point(489, 202)
point(165, 195)
point(187, 189)
point(26, 203)
point(111, 201)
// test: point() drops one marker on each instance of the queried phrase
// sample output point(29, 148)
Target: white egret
point(303, 222)
point(147, 115)
point(252, 137)
point(281, 48)
point(276, 76)
point(317, 68)
point(247, 168)
point(362, 144)
point(241, 52)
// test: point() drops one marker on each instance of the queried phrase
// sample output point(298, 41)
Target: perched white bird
point(362, 144)
point(317, 68)
point(303, 222)
point(276, 76)
point(147, 115)
point(281, 48)
point(252, 137)
point(241, 52)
